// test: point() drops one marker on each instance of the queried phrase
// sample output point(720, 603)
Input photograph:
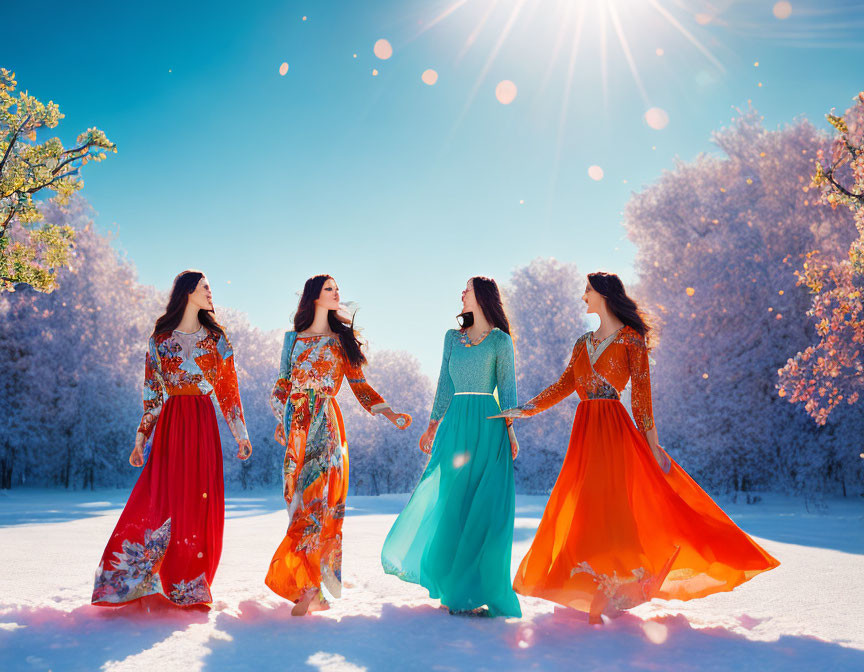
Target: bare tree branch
point(12, 142)
point(68, 161)
point(33, 190)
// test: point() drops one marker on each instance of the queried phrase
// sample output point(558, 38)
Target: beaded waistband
point(605, 394)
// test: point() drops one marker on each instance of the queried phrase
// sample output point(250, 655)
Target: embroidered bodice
point(601, 370)
point(318, 364)
point(201, 362)
point(483, 367)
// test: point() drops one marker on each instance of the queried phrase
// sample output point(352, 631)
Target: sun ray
point(571, 69)
point(438, 19)
point(604, 52)
point(477, 30)
point(505, 32)
point(556, 49)
point(565, 103)
point(686, 33)
point(625, 46)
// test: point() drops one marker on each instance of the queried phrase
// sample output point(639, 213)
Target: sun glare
point(616, 24)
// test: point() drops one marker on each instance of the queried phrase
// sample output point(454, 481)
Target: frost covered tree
point(547, 315)
point(831, 372)
point(718, 241)
point(384, 459)
point(30, 168)
point(72, 364)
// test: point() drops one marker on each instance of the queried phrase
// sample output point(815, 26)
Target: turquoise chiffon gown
point(455, 535)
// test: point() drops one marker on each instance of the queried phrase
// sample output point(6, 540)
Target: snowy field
point(806, 615)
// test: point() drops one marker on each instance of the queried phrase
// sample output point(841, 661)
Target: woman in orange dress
point(624, 523)
point(307, 566)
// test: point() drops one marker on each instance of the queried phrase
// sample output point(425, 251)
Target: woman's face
point(593, 299)
point(329, 296)
point(202, 297)
point(469, 301)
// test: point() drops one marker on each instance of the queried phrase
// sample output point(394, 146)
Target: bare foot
point(302, 606)
point(318, 603)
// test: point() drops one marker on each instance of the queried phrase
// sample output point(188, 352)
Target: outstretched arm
point(370, 399)
point(557, 391)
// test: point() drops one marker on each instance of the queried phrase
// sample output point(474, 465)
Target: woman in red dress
point(168, 540)
point(624, 523)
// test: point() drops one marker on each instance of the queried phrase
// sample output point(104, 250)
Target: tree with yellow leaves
point(31, 250)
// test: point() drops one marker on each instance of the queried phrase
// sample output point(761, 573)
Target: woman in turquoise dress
point(455, 535)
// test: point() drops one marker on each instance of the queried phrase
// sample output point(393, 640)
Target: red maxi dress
point(169, 537)
point(617, 530)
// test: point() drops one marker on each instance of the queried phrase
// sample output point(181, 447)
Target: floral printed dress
point(169, 537)
point(315, 468)
point(617, 530)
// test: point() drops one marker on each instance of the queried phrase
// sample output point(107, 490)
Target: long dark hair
point(610, 287)
point(306, 314)
point(489, 299)
point(184, 284)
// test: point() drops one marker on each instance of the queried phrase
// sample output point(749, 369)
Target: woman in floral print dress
point(168, 540)
point(624, 523)
point(322, 349)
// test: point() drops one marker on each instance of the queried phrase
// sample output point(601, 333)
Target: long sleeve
point(445, 390)
point(640, 382)
point(505, 371)
point(557, 391)
point(227, 390)
point(154, 390)
point(365, 393)
point(282, 388)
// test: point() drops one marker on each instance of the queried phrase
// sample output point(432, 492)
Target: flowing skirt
point(617, 531)
point(455, 535)
point(169, 537)
point(310, 555)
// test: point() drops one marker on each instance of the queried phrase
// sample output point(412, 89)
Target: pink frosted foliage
point(830, 371)
point(719, 239)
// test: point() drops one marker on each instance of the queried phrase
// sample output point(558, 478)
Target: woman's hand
point(658, 452)
point(244, 448)
point(136, 457)
point(428, 438)
point(401, 420)
point(279, 435)
point(514, 444)
point(510, 414)
point(662, 458)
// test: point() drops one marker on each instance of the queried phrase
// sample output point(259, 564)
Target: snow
point(805, 615)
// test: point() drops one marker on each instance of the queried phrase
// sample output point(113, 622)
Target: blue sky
point(399, 189)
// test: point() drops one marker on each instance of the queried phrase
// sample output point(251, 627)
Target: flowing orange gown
point(617, 530)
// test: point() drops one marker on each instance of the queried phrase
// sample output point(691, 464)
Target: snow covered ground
point(806, 615)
